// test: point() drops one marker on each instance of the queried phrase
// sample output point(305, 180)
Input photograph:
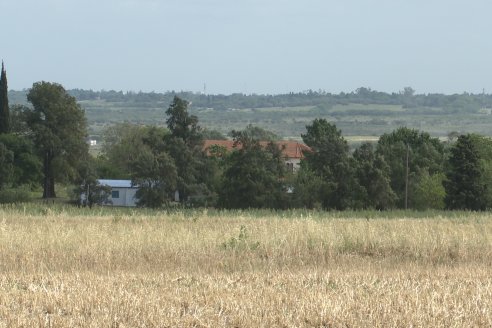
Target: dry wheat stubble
point(69, 271)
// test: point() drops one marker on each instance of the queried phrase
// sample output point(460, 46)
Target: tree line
point(408, 98)
point(406, 168)
point(44, 143)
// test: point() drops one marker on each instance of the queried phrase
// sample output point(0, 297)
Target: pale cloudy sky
point(249, 46)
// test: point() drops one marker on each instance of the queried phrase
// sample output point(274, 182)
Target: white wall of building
point(126, 196)
point(293, 164)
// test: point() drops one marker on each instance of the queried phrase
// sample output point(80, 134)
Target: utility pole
point(406, 180)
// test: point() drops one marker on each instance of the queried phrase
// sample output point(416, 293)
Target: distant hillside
point(364, 112)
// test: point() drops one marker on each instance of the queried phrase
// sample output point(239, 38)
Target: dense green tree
point(254, 175)
point(155, 175)
point(104, 169)
point(257, 133)
point(328, 147)
point(183, 125)
point(58, 128)
point(6, 166)
point(120, 148)
point(429, 192)
point(154, 170)
point(209, 134)
point(483, 145)
point(4, 103)
point(88, 190)
point(26, 164)
point(464, 185)
point(308, 188)
point(329, 161)
point(185, 145)
point(141, 154)
point(425, 156)
point(18, 124)
point(372, 174)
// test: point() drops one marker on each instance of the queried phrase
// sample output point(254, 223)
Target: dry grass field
point(67, 267)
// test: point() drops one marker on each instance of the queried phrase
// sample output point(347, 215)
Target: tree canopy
point(184, 144)
point(254, 175)
point(58, 129)
point(372, 174)
point(154, 170)
point(329, 161)
point(465, 187)
point(425, 156)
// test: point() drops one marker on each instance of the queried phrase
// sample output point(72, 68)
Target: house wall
point(126, 196)
point(131, 199)
point(295, 163)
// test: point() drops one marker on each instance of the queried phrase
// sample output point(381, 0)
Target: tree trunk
point(49, 180)
point(52, 187)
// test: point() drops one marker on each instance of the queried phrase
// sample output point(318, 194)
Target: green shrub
point(14, 195)
point(241, 242)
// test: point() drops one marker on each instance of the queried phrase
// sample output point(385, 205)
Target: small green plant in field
point(116, 218)
point(46, 211)
point(350, 245)
point(240, 242)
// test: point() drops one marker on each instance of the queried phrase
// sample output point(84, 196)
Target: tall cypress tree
point(4, 103)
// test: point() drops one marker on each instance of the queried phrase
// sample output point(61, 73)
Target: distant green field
point(366, 107)
point(364, 114)
point(358, 122)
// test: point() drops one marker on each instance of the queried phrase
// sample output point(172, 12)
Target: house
point(123, 193)
point(294, 153)
point(292, 150)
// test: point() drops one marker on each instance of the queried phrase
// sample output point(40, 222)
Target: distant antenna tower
point(204, 88)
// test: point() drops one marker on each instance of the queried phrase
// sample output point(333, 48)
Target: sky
point(249, 46)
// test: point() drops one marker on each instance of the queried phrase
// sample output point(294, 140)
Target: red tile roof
point(290, 149)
